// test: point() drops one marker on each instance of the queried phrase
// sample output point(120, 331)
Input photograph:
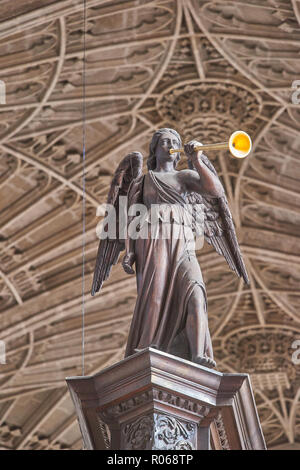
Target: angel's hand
point(127, 263)
point(190, 151)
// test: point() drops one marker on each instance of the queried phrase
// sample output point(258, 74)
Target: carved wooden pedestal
point(156, 401)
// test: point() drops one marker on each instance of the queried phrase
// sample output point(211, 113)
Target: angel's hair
point(151, 161)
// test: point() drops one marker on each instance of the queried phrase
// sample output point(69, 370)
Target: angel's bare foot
point(205, 361)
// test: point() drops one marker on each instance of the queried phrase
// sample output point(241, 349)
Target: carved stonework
point(183, 102)
point(8, 434)
point(265, 352)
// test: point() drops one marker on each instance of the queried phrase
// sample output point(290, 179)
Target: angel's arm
point(204, 182)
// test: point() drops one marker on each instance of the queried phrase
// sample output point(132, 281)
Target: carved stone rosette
point(208, 110)
point(156, 401)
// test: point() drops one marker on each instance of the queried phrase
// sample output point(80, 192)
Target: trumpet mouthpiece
point(175, 151)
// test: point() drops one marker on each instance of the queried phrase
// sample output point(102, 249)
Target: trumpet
point(239, 145)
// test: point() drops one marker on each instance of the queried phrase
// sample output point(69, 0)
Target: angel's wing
point(219, 229)
point(109, 250)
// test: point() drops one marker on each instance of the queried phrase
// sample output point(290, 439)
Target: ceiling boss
point(166, 208)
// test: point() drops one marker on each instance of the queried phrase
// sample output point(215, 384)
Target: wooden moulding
point(153, 400)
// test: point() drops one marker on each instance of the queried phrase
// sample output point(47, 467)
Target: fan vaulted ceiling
point(206, 68)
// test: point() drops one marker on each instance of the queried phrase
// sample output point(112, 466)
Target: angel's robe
point(167, 272)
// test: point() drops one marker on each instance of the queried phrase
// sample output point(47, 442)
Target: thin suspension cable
point(83, 178)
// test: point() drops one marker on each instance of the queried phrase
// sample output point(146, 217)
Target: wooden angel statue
point(171, 307)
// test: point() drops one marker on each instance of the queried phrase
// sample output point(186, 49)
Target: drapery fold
point(167, 273)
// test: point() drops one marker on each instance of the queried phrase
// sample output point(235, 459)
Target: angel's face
point(167, 141)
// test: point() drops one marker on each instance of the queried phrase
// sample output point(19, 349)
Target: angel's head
point(162, 141)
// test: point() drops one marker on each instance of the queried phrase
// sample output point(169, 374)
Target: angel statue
point(171, 307)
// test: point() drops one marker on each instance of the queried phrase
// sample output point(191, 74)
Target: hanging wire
point(83, 177)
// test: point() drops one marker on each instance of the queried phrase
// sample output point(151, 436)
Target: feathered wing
point(109, 250)
point(219, 230)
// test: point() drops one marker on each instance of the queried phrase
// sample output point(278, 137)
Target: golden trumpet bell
point(240, 144)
